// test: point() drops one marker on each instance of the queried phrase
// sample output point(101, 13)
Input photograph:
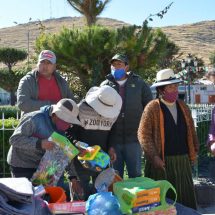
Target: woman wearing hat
point(167, 135)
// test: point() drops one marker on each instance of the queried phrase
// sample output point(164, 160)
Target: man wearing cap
point(30, 139)
point(97, 114)
point(42, 86)
point(135, 94)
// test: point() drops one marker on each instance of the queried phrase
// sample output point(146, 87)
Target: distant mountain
point(197, 38)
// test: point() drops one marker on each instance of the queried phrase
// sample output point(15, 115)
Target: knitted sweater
point(151, 131)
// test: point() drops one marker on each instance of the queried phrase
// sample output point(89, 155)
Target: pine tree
point(89, 8)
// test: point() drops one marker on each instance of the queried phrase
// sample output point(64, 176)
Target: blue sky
point(130, 11)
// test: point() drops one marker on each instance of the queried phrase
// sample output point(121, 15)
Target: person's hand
point(158, 163)
point(77, 188)
point(112, 154)
point(47, 145)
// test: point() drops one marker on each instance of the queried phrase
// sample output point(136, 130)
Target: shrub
point(9, 111)
point(6, 129)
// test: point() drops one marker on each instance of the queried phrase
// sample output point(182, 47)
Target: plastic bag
point(54, 162)
point(126, 192)
point(103, 203)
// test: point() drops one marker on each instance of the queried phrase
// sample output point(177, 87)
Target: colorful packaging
point(146, 200)
point(145, 207)
point(132, 190)
point(65, 145)
point(95, 159)
point(68, 207)
point(169, 210)
point(54, 162)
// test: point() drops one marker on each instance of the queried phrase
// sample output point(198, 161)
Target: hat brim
point(100, 108)
point(65, 116)
point(163, 83)
point(116, 59)
point(41, 59)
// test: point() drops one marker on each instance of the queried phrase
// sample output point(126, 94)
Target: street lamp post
point(189, 64)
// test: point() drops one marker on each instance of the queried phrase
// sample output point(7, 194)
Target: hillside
point(197, 38)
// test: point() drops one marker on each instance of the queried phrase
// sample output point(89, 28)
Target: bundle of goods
point(56, 199)
point(17, 197)
point(142, 195)
point(54, 162)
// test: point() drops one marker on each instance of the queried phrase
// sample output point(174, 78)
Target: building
point(199, 93)
point(4, 97)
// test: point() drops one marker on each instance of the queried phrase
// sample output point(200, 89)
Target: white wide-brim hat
point(104, 100)
point(165, 77)
point(67, 110)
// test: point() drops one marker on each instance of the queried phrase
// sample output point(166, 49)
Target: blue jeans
point(129, 154)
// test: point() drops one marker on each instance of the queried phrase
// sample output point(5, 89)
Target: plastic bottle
point(81, 145)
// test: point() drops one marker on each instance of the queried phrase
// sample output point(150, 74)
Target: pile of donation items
point(48, 173)
point(139, 195)
point(114, 196)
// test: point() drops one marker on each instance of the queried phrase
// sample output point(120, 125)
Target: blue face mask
point(118, 73)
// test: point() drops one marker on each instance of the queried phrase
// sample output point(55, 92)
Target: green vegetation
point(5, 133)
point(90, 8)
point(84, 54)
point(9, 77)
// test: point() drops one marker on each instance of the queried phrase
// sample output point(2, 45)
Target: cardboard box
point(68, 207)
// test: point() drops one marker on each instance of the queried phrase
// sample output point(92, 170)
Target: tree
point(89, 8)
point(84, 54)
point(148, 49)
point(9, 78)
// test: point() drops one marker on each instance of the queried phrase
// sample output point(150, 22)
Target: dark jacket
point(24, 151)
point(95, 129)
point(137, 95)
point(27, 92)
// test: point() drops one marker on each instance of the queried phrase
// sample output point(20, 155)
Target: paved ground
point(205, 193)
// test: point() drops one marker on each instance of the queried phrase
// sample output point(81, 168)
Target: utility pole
point(28, 38)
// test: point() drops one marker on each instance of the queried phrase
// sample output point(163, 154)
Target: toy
point(93, 158)
point(54, 162)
